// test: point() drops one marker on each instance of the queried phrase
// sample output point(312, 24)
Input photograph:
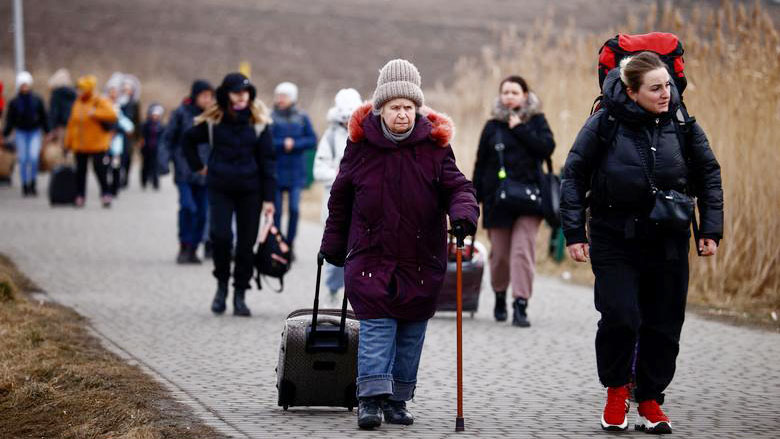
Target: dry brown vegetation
point(57, 381)
point(733, 65)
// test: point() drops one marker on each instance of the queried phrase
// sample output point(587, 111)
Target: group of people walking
point(392, 182)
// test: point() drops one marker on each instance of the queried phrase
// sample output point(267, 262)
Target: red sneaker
point(651, 419)
point(615, 413)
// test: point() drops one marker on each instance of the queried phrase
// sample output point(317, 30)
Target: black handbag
point(514, 196)
point(273, 256)
point(551, 195)
point(672, 210)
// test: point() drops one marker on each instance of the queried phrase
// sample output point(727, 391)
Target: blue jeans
point(389, 353)
point(334, 277)
point(28, 147)
point(193, 207)
point(294, 199)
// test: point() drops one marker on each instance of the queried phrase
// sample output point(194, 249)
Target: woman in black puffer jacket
point(517, 123)
point(641, 267)
point(240, 176)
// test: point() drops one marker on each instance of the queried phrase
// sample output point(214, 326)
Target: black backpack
point(273, 256)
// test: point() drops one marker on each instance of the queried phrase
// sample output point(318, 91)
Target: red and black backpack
point(666, 45)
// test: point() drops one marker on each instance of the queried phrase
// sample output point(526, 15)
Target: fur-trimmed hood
point(532, 107)
point(438, 126)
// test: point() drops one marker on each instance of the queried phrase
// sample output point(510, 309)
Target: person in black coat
point(520, 126)
point(151, 130)
point(240, 175)
point(641, 266)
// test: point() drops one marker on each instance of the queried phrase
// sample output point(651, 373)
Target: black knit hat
point(234, 82)
point(199, 86)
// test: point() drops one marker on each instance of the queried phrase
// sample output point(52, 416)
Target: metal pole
point(18, 36)
point(460, 424)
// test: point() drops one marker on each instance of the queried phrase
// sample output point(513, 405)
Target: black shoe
point(183, 255)
point(395, 413)
point(520, 318)
point(25, 189)
point(218, 304)
point(499, 312)
point(192, 255)
point(239, 306)
point(33, 189)
point(369, 413)
point(208, 250)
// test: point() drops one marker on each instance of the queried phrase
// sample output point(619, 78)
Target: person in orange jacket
point(88, 135)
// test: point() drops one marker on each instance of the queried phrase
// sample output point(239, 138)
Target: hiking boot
point(651, 419)
point(369, 412)
point(33, 189)
point(183, 256)
point(192, 255)
point(218, 304)
point(25, 190)
point(395, 413)
point(615, 413)
point(239, 306)
point(519, 318)
point(499, 312)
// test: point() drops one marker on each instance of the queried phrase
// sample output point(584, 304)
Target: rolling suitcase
point(473, 268)
point(62, 186)
point(318, 356)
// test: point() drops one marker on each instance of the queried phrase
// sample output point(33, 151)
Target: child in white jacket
point(330, 150)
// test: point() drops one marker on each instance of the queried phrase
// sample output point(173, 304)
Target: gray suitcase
point(318, 356)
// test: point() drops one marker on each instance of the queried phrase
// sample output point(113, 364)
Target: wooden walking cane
point(460, 424)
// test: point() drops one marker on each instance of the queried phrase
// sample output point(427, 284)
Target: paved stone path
point(117, 268)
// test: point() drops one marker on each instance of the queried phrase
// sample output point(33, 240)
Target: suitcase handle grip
point(312, 335)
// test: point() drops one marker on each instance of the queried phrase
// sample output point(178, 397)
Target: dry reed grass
point(733, 66)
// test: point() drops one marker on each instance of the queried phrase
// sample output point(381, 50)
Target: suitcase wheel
point(285, 407)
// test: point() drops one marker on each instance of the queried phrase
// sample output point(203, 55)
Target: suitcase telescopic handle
point(343, 324)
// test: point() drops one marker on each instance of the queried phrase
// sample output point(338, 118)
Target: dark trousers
point(641, 289)
point(98, 164)
point(125, 162)
point(293, 201)
point(150, 169)
point(246, 208)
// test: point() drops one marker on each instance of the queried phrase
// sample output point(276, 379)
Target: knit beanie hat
point(289, 89)
point(23, 78)
point(199, 86)
point(398, 79)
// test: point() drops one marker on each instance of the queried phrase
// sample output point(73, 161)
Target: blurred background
point(463, 49)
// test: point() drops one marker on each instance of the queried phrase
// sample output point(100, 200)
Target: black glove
point(338, 262)
point(461, 229)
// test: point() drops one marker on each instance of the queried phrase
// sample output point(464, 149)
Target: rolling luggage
point(474, 256)
point(7, 162)
point(318, 356)
point(62, 186)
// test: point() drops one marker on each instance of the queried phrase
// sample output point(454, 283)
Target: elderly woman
point(639, 256)
point(387, 227)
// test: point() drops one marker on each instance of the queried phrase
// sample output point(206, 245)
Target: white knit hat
point(399, 78)
point(23, 78)
point(289, 89)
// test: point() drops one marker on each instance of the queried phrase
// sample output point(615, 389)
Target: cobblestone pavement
point(117, 268)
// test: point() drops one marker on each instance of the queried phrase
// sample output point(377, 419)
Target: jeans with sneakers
point(389, 353)
point(28, 146)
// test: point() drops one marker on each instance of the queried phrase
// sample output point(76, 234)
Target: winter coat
point(620, 191)
point(26, 112)
point(291, 167)
point(60, 104)
point(526, 146)
point(123, 129)
point(132, 109)
point(151, 132)
point(171, 148)
point(87, 131)
point(387, 218)
point(330, 150)
point(240, 160)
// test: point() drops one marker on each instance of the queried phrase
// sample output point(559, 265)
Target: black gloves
point(338, 262)
point(461, 229)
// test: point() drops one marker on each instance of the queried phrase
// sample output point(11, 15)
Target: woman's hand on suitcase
point(580, 252)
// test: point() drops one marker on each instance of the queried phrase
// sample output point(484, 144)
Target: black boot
point(183, 255)
point(395, 413)
point(192, 255)
point(499, 312)
point(239, 306)
point(25, 189)
point(208, 250)
point(369, 412)
point(33, 189)
point(218, 304)
point(520, 318)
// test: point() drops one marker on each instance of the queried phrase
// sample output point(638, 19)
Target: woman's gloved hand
point(461, 229)
point(338, 262)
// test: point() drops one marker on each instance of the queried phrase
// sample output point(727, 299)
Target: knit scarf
point(396, 137)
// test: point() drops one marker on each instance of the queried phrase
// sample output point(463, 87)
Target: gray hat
point(398, 79)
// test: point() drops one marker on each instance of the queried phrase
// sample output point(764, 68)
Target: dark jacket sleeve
point(458, 192)
point(706, 181)
point(190, 140)
point(309, 138)
point(10, 118)
point(42, 116)
point(169, 140)
point(334, 239)
point(536, 136)
point(483, 149)
point(575, 181)
point(266, 161)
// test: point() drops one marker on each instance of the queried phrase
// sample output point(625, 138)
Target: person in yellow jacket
point(88, 135)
